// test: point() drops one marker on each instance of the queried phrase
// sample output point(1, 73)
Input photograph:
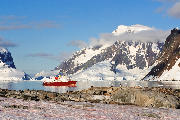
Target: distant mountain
point(168, 63)
point(8, 70)
point(122, 60)
point(6, 59)
point(43, 74)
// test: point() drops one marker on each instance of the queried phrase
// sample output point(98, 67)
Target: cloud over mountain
point(150, 35)
point(77, 43)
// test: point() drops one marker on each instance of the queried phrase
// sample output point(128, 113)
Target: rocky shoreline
point(145, 97)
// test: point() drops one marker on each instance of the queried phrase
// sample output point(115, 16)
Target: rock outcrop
point(168, 63)
point(146, 97)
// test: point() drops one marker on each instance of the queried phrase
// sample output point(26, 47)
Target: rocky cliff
point(168, 62)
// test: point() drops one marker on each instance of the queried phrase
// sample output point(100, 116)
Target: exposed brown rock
point(169, 55)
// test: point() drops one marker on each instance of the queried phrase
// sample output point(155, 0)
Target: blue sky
point(39, 33)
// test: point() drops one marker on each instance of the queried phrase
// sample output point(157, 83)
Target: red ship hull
point(69, 83)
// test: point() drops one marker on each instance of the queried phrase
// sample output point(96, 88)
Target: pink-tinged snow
point(80, 111)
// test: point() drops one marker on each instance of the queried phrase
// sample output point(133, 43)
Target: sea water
point(38, 85)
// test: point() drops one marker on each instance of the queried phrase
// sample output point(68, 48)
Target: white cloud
point(154, 35)
point(13, 27)
point(175, 10)
point(5, 43)
point(61, 57)
point(12, 17)
point(172, 7)
point(167, 0)
point(78, 43)
point(37, 25)
point(40, 55)
point(12, 22)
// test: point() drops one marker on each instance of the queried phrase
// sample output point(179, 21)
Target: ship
point(59, 80)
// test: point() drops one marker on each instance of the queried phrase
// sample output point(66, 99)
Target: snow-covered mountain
point(6, 59)
point(43, 74)
point(168, 63)
point(123, 60)
point(8, 70)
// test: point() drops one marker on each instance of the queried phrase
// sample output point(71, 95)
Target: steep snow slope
point(168, 63)
point(173, 73)
point(7, 68)
point(79, 59)
point(102, 71)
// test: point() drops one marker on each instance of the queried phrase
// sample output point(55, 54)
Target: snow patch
point(83, 58)
point(100, 71)
point(11, 74)
point(131, 74)
point(172, 74)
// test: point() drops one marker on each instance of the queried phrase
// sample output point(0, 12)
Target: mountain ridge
point(116, 57)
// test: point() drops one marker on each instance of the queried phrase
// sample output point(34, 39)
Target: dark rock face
point(26, 77)
point(169, 55)
point(6, 58)
point(144, 53)
point(120, 53)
